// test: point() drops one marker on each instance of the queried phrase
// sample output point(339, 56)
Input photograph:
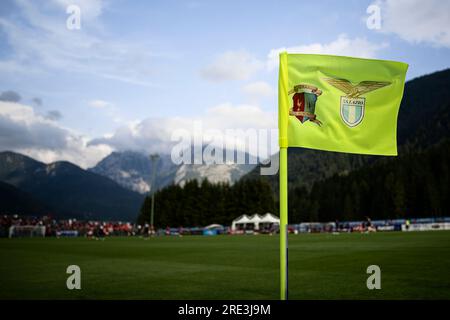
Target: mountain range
point(133, 170)
point(112, 190)
point(63, 189)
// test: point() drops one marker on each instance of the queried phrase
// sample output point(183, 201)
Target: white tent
point(242, 220)
point(256, 220)
point(270, 218)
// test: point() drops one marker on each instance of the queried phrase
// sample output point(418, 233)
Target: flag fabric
point(337, 103)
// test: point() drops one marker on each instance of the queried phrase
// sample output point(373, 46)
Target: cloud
point(99, 104)
point(228, 116)
point(258, 89)
point(53, 115)
point(417, 21)
point(40, 42)
point(22, 130)
point(154, 135)
point(232, 65)
point(10, 96)
point(43, 138)
point(109, 109)
point(342, 46)
point(21, 127)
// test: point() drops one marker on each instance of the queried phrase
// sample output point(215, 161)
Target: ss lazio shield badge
point(352, 105)
point(352, 110)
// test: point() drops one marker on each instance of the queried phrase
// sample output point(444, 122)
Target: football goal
point(26, 231)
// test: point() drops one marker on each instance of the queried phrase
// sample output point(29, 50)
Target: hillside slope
point(16, 201)
point(68, 189)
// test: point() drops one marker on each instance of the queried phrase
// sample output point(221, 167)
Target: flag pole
point(283, 113)
point(283, 225)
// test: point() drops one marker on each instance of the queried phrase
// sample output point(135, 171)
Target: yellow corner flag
point(335, 103)
point(339, 103)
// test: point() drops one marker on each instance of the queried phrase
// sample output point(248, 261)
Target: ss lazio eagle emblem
point(304, 103)
point(353, 105)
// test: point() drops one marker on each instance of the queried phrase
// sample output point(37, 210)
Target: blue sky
point(136, 66)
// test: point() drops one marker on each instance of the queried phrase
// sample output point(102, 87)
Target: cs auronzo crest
point(352, 104)
point(304, 103)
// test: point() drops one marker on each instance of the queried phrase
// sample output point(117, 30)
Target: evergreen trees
point(413, 185)
point(200, 204)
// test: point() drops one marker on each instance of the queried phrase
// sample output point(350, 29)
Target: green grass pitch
point(413, 265)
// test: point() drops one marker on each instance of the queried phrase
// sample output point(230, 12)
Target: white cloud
point(150, 135)
point(40, 42)
point(38, 136)
point(154, 135)
point(342, 46)
point(258, 89)
point(23, 130)
point(99, 104)
point(109, 109)
point(417, 21)
point(232, 65)
point(229, 116)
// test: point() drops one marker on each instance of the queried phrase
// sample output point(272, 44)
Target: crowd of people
point(54, 227)
point(23, 226)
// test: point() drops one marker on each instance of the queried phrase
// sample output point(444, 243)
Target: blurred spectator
point(54, 227)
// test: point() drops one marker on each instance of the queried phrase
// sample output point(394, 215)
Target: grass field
point(414, 265)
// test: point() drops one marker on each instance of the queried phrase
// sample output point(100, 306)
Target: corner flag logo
point(352, 105)
point(304, 103)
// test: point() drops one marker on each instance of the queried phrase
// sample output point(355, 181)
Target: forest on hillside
point(408, 186)
point(200, 204)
